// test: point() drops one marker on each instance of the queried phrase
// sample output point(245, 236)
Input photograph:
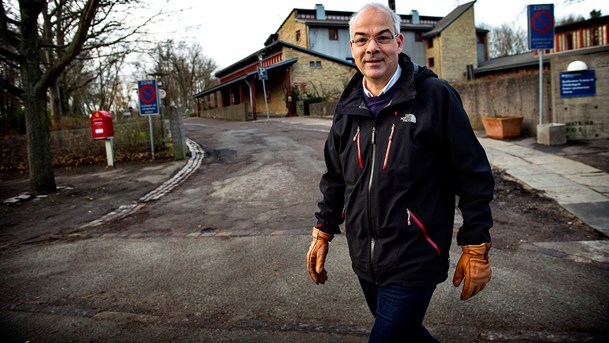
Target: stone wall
point(454, 48)
point(328, 80)
point(458, 47)
point(287, 32)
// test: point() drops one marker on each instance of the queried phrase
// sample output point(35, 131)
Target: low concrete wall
point(322, 109)
point(234, 112)
point(516, 95)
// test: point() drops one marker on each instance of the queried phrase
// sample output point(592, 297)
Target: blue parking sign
point(147, 93)
point(541, 26)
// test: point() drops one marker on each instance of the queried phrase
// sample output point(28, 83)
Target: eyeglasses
point(380, 40)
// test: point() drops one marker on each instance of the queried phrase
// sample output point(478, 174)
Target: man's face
point(377, 61)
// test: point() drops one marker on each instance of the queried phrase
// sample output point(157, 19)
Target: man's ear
point(400, 42)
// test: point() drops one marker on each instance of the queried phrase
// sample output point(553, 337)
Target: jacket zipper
point(385, 162)
point(360, 162)
point(423, 229)
point(370, 222)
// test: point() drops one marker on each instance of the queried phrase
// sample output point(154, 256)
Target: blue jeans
point(398, 312)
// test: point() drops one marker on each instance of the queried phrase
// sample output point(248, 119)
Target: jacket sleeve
point(472, 175)
point(332, 187)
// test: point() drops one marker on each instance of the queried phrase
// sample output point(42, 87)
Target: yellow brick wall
point(329, 80)
point(287, 32)
point(455, 48)
point(458, 47)
point(434, 52)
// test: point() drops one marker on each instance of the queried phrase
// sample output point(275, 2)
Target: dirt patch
point(524, 215)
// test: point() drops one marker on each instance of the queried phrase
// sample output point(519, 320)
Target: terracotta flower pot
point(502, 127)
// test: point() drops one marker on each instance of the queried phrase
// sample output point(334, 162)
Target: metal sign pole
point(151, 136)
point(266, 105)
point(262, 75)
point(540, 87)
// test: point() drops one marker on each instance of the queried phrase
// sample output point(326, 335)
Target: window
point(298, 35)
point(332, 34)
point(568, 41)
point(418, 36)
point(430, 62)
point(314, 64)
point(595, 36)
point(430, 43)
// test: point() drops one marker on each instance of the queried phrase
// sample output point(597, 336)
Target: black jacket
point(393, 180)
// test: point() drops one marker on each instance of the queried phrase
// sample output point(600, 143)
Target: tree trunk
point(42, 180)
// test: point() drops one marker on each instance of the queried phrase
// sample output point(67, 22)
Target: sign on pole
point(541, 36)
point(147, 91)
point(149, 105)
point(541, 26)
point(262, 73)
point(577, 83)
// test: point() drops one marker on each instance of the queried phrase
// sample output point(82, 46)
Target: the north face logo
point(409, 118)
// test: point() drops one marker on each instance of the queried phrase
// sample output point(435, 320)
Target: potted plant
point(502, 127)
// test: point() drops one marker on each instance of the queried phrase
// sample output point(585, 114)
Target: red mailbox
point(101, 125)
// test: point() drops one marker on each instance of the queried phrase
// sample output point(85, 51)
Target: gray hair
point(395, 17)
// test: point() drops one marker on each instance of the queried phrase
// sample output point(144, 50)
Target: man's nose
point(372, 46)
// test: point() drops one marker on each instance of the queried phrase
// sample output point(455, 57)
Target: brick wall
point(329, 80)
point(287, 32)
point(454, 48)
point(458, 47)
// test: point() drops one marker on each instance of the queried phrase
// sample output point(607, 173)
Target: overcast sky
point(229, 30)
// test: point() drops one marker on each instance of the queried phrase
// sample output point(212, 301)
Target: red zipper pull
point(360, 162)
point(388, 147)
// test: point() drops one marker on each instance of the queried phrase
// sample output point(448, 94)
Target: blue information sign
point(541, 26)
point(577, 83)
point(147, 92)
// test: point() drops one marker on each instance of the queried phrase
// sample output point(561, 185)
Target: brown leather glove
point(316, 257)
point(473, 266)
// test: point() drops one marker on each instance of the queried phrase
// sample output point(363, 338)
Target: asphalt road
point(220, 258)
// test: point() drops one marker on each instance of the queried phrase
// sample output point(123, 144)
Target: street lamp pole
point(266, 105)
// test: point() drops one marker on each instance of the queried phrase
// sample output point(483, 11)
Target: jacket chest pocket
point(399, 153)
point(353, 155)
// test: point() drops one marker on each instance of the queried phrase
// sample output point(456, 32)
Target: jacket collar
point(351, 101)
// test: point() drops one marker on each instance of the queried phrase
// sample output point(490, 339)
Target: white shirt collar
point(392, 81)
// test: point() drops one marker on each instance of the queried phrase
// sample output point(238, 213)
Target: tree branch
point(88, 14)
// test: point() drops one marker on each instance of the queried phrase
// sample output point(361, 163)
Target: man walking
point(400, 150)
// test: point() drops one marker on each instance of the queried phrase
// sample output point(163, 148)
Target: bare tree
point(41, 38)
point(185, 70)
point(507, 40)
